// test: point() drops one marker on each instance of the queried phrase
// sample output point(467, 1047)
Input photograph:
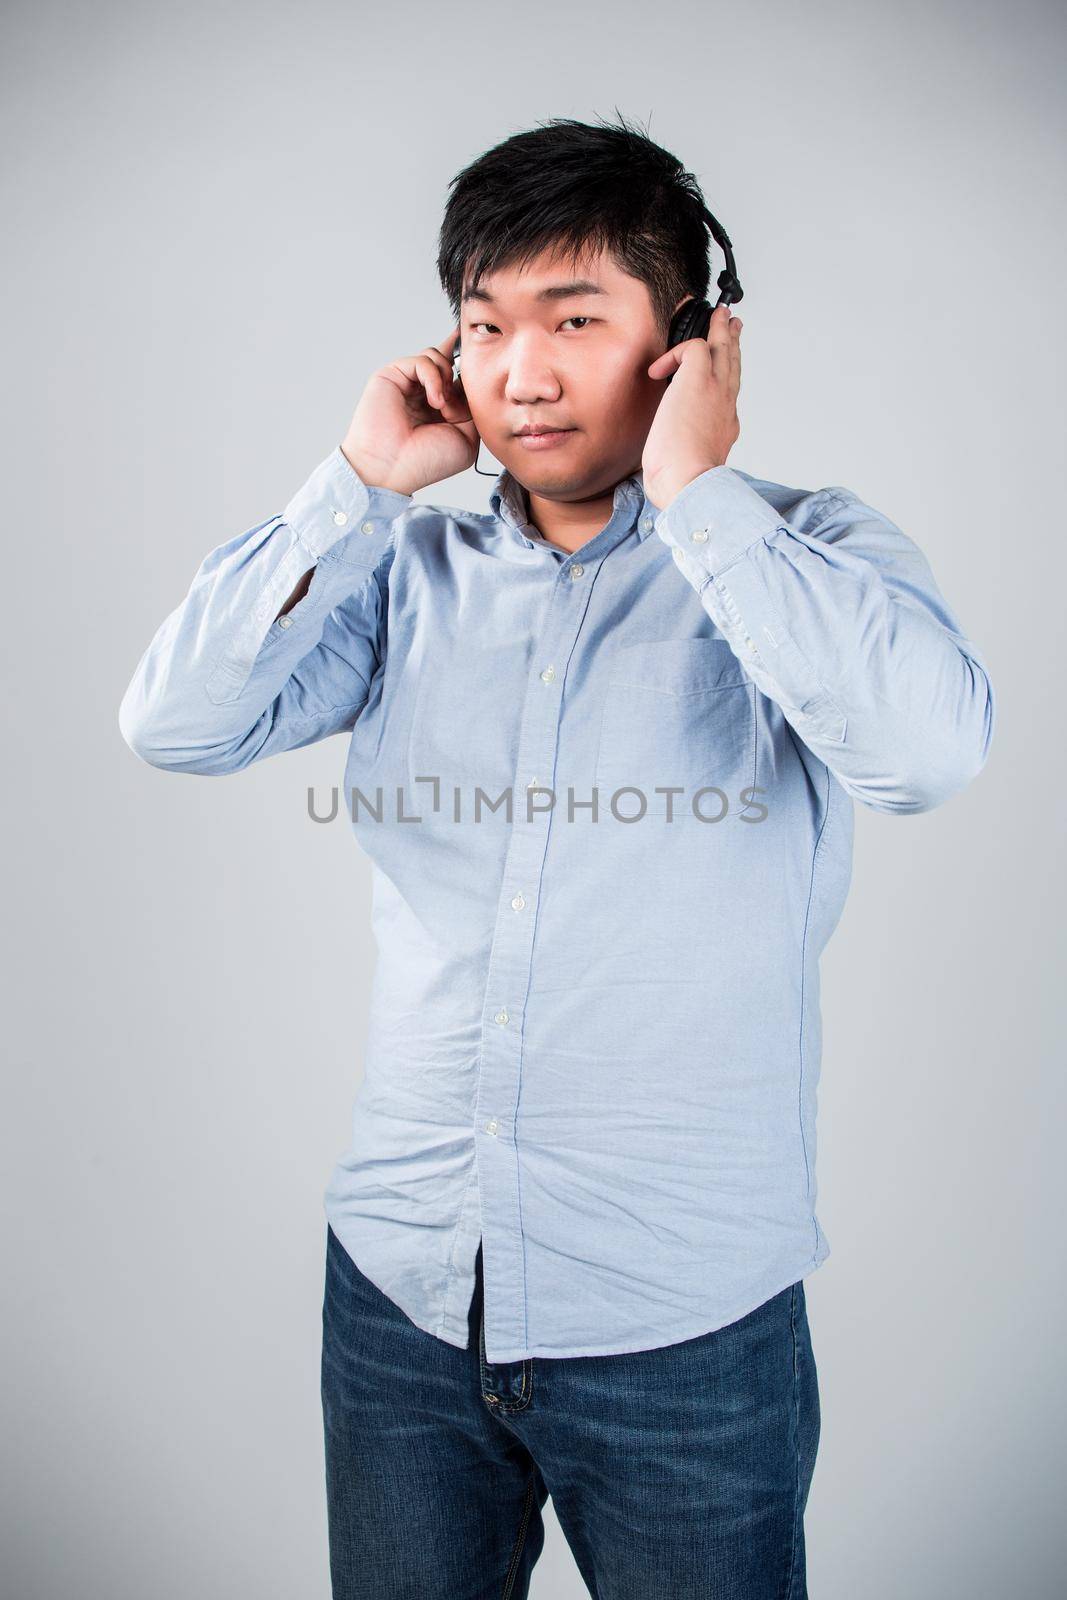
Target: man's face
point(565, 346)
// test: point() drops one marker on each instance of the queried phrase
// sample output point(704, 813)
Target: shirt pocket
point(676, 712)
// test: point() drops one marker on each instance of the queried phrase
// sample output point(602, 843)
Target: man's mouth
point(543, 438)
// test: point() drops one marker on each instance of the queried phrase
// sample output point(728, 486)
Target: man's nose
point(530, 378)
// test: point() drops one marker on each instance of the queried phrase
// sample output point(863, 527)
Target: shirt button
point(366, 527)
point(518, 902)
point(647, 523)
point(491, 1125)
point(501, 1017)
point(340, 517)
point(285, 622)
point(548, 674)
point(699, 535)
point(577, 570)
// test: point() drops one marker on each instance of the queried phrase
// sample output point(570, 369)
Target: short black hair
point(574, 185)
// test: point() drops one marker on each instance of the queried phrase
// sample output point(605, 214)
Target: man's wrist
point(682, 478)
point(371, 474)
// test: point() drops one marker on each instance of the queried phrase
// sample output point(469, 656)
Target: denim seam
point(508, 1408)
point(796, 1435)
point(513, 1565)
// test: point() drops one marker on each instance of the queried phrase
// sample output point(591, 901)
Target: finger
point(444, 353)
point(735, 352)
point(454, 406)
point(719, 324)
point(441, 362)
point(421, 371)
point(432, 372)
point(407, 371)
point(720, 340)
point(726, 356)
point(668, 362)
point(452, 386)
point(447, 347)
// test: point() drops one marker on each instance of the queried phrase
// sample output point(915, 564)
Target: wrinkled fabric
point(607, 798)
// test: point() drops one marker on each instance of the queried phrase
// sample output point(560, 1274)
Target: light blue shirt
point(594, 1044)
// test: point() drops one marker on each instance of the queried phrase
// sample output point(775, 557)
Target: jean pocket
point(678, 712)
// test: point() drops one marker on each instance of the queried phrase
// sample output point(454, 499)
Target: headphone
point(690, 321)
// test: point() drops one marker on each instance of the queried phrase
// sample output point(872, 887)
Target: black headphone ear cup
point(690, 321)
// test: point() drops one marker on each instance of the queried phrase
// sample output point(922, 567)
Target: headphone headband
point(730, 289)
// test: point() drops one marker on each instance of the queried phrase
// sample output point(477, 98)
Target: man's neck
point(568, 524)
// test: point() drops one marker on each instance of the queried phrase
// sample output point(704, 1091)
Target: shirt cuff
point(714, 520)
point(336, 508)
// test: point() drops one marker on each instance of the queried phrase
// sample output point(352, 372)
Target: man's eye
point(476, 325)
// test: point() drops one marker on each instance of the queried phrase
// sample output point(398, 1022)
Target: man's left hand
point(696, 424)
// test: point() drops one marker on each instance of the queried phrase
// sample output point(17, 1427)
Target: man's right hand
point(412, 426)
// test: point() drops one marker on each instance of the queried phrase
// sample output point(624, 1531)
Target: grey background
point(218, 223)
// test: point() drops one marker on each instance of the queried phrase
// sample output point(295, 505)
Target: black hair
point(573, 186)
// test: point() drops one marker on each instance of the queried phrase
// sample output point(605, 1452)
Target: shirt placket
point(511, 954)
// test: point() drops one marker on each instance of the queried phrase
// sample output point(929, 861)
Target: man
point(566, 1248)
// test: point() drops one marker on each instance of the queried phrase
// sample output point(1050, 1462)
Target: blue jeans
point(675, 1473)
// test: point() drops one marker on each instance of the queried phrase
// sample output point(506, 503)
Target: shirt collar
point(508, 502)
